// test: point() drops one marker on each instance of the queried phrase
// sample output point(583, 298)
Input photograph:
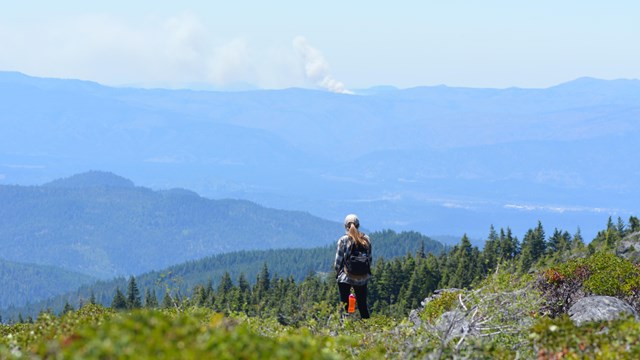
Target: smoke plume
point(316, 68)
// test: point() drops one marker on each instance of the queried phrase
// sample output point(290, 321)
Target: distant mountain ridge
point(100, 224)
point(92, 179)
point(437, 159)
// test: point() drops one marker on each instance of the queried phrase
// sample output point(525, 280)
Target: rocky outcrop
point(599, 308)
point(629, 248)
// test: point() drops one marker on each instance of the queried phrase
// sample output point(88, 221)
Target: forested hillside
point(29, 283)
point(513, 299)
point(294, 264)
point(102, 225)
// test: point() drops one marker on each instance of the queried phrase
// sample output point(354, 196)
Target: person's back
point(353, 265)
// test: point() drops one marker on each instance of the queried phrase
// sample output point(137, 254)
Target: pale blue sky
point(334, 44)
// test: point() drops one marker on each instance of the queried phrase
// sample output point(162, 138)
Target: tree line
point(398, 285)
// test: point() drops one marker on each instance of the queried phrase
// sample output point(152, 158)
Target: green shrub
point(560, 338)
point(439, 305)
point(602, 273)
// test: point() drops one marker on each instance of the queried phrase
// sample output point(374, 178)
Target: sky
point(332, 45)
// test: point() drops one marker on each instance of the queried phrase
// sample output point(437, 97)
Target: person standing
point(353, 264)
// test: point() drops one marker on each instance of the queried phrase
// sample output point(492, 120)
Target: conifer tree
point(119, 301)
point(67, 308)
point(150, 299)
point(634, 224)
point(465, 260)
point(533, 247)
point(92, 298)
point(263, 283)
point(559, 242)
point(578, 242)
point(167, 302)
point(509, 246)
point(133, 295)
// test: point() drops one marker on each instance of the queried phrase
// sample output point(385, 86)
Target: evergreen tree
point(133, 295)
point(92, 298)
point(621, 227)
point(150, 299)
point(167, 301)
point(634, 224)
point(263, 283)
point(559, 242)
point(421, 254)
point(224, 292)
point(67, 308)
point(465, 262)
point(578, 242)
point(119, 302)
point(491, 254)
point(509, 246)
point(533, 247)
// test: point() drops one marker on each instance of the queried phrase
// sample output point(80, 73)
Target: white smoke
point(174, 52)
point(316, 67)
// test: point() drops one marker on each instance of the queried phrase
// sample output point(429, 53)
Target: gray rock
point(414, 317)
point(453, 324)
point(599, 308)
point(629, 248)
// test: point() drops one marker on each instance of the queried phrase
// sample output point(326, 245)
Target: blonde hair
point(357, 236)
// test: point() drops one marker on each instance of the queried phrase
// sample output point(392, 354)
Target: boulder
point(599, 308)
point(454, 324)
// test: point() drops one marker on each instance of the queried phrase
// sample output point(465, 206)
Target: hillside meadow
point(517, 309)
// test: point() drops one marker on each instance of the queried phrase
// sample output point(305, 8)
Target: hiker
point(353, 265)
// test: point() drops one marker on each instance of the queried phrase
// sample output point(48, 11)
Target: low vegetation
point(516, 308)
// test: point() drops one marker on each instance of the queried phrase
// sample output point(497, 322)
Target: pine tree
point(167, 302)
point(225, 288)
point(67, 308)
point(634, 224)
point(491, 254)
point(119, 301)
point(244, 293)
point(533, 247)
point(150, 299)
point(133, 295)
point(559, 242)
point(92, 298)
point(263, 283)
point(509, 245)
point(465, 259)
point(578, 242)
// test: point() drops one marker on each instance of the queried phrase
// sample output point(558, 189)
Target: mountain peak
point(92, 179)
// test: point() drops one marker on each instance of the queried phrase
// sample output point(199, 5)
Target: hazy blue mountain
point(30, 283)
point(438, 159)
point(101, 224)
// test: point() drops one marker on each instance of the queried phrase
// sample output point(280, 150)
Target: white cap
point(351, 218)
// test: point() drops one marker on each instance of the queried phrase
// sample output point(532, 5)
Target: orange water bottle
point(352, 304)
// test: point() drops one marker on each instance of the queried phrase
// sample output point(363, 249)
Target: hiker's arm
point(370, 256)
point(339, 257)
